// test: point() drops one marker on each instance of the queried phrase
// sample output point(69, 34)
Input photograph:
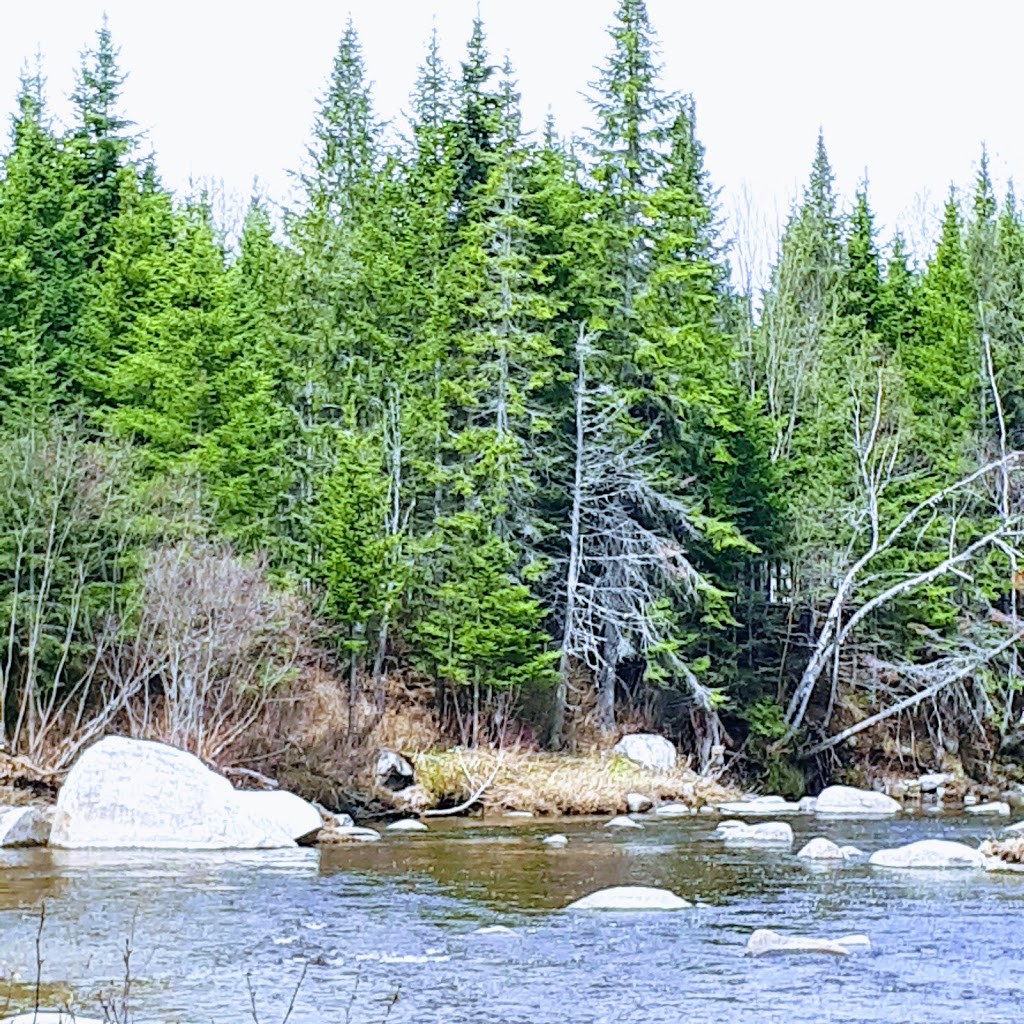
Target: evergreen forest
point(485, 422)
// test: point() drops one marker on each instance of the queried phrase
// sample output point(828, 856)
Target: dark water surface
point(400, 915)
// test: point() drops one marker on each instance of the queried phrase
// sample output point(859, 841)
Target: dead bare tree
point(623, 564)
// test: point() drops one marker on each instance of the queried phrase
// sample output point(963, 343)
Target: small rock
point(638, 803)
point(351, 834)
point(847, 802)
point(496, 930)
point(621, 821)
point(769, 833)
point(650, 751)
point(393, 771)
point(807, 804)
point(407, 825)
point(760, 805)
point(996, 808)
point(673, 810)
point(630, 897)
point(764, 940)
point(25, 826)
point(820, 848)
point(930, 782)
point(518, 814)
point(970, 800)
point(558, 839)
point(929, 854)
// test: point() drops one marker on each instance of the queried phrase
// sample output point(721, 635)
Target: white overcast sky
point(905, 90)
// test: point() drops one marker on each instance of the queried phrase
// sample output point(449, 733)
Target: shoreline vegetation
point(489, 446)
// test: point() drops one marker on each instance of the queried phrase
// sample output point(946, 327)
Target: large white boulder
point(821, 849)
point(637, 803)
point(25, 826)
point(134, 794)
point(996, 808)
point(761, 805)
point(650, 751)
point(631, 897)
point(284, 810)
point(768, 833)
point(764, 940)
point(929, 854)
point(847, 802)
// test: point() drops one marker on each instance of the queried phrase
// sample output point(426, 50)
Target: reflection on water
point(402, 915)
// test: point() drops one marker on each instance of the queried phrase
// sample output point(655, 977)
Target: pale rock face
point(764, 940)
point(407, 825)
point(638, 803)
point(299, 819)
point(997, 808)
point(772, 805)
point(769, 833)
point(650, 751)
point(135, 794)
point(621, 821)
point(821, 849)
point(631, 897)
point(847, 802)
point(929, 854)
point(25, 826)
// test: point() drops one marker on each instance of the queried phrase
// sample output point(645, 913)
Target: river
point(401, 916)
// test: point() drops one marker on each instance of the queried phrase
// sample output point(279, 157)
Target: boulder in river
point(647, 749)
point(764, 940)
point(347, 834)
point(847, 802)
point(768, 833)
point(673, 810)
point(995, 808)
point(293, 815)
point(621, 821)
point(761, 805)
point(929, 854)
point(931, 781)
point(821, 849)
point(136, 794)
point(393, 771)
point(631, 897)
point(407, 825)
point(558, 839)
point(637, 803)
point(25, 826)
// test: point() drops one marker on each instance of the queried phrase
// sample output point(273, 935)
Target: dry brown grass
point(1009, 850)
point(555, 784)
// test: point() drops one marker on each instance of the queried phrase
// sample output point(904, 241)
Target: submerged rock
point(769, 833)
point(764, 940)
point(650, 751)
point(407, 825)
point(821, 849)
point(621, 821)
point(637, 803)
point(995, 808)
point(293, 815)
point(847, 802)
point(25, 826)
point(497, 931)
point(929, 854)
point(761, 805)
point(631, 897)
point(136, 794)
point(558, 839)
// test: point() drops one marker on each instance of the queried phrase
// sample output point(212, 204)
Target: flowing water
point(401, 916)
